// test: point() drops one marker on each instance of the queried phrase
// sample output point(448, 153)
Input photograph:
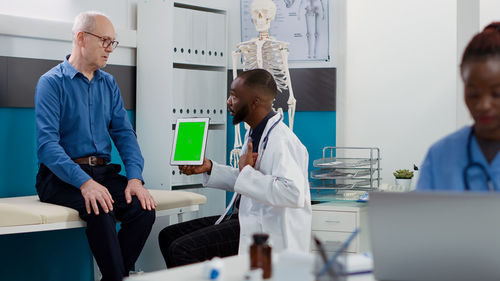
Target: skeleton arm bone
point(291, 99)
point(235, 152)
point(237, 135)
point(236, 56)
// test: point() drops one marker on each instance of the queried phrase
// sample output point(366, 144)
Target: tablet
point(190, 139)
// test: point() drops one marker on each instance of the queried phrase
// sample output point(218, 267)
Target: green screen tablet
point(190, 139)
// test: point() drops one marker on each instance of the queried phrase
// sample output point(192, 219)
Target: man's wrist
point(211, 166)
point(134, 180)
point(84, 184)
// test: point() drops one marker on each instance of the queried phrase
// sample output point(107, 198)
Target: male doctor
point(272, 179)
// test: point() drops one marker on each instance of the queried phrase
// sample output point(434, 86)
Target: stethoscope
point(264, 145)
point(266, 137)
point(471, 165)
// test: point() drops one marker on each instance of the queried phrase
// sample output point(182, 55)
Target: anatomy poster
point(302, 23)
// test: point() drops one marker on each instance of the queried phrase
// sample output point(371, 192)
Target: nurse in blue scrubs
point(468, 158)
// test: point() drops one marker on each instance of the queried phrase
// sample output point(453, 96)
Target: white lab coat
point(275, 195)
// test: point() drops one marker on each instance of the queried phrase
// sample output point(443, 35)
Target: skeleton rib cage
point(271, 55)
point(272, 59)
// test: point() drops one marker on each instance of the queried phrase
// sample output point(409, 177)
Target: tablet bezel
point(206, 120)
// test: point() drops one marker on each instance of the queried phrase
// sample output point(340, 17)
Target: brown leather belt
point(90, 160)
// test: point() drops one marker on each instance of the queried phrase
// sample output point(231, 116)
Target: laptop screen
point(435, 235)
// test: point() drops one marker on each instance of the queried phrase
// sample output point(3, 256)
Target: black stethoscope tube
point(266, 138)
point(471, 164)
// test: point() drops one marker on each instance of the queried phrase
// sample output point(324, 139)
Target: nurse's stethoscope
point(471, 165)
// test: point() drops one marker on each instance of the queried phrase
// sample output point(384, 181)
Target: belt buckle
point(92, 160)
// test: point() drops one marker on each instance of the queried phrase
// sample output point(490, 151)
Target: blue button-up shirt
point(76, 117)
point(445, 163)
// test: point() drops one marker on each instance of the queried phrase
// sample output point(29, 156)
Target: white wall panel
point(401, 67)
point(467, 27)
point(22, 36)
point(489, 12)
point(36, 48)
point(121, 12)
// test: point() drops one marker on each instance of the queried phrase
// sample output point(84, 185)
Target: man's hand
point(197, 169)
point(248, 158)
point(94, 192)
point(135, 187)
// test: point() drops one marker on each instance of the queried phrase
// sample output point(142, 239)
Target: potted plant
point(403, 179)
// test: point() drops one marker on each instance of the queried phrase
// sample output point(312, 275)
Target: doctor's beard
point(240, 115)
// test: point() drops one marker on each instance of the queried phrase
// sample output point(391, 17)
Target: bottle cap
point(260, 238)
point(213, 269)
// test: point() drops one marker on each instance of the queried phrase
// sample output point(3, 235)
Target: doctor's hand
point(93, 192)
point(206, 167)
point(248, 158)
point(135, 187)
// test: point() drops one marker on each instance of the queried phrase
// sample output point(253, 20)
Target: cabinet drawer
point(333, 240)
point(333, 221)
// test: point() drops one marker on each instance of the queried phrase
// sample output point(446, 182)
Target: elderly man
point(78, 108)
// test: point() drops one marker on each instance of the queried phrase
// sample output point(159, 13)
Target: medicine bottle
point(260, 254)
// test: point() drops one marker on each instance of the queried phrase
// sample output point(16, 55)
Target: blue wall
point(48, 255)
point(18, 164)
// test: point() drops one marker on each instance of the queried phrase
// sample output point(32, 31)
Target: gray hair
point(85, 21)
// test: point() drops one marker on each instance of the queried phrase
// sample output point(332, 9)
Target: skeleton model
point(267, 53)
point(312, 12)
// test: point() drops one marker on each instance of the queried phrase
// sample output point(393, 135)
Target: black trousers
point(199, 240)
point(115, 254)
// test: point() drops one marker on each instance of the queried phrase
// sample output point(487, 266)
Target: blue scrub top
point(443, 167)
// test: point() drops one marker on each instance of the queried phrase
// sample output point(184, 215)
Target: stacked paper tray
point(342, 163)
point(360, 184)
point(347, 168)
point(341, 173)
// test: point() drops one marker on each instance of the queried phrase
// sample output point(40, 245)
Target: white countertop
point(234, 270)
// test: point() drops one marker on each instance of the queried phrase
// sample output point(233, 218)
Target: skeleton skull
point(263, 12)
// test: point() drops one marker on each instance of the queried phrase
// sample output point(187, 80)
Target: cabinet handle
point(332, 221)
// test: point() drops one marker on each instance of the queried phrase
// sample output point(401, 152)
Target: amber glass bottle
point(260, 254)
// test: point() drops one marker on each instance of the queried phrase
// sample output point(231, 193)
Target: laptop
point(435, 236)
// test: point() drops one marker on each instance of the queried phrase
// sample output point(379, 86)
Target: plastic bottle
point(260, 254)
point(214, 269)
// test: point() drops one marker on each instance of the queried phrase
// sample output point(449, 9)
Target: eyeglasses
point(106, 42)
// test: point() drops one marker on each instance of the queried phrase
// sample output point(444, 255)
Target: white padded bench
point(27, 214)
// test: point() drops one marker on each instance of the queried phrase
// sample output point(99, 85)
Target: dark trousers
point(199, 240)
point(115, 254)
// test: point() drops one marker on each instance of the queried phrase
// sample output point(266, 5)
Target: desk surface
point(234, 270)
